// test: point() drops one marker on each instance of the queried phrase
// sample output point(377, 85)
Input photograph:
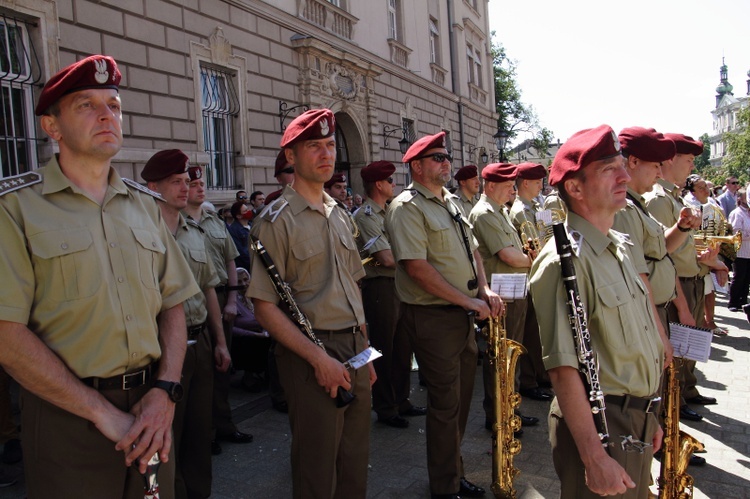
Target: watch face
point(177, 392)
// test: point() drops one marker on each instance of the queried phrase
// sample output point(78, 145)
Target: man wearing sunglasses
point(441, 283)
point(390, 393)
point(728, 200)
point(284, 173)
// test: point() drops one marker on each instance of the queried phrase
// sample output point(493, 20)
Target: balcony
point(477, 94)
point(399, 53)
point(438, 74)
point(329, 17)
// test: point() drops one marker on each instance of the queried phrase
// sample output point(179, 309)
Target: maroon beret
point(424, 144)
point(195, 172)
point(311, 125)
point(646, 144)
point(281, 163)
point(163, 164)
point(466, 172)
point(531, 171)
point(337, 177)
point(685, 144)
point(95, 71)
point(379, 170)
point(581, 149)
point(499, 172)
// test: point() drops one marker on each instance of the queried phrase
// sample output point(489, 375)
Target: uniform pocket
point(613, 298)
point(151, 250)
point(66, 258)
point(310, 256)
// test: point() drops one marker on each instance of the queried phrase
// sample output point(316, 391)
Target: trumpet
point(530, 237)
point(705, 241)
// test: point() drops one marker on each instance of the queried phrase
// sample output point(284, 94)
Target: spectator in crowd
point(739, 218)
point(241, 196)
point(239, 231)
point(728, 200)
point(257, 201)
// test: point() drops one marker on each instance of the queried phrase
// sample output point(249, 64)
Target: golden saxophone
point(503, 354)
point(677, 447)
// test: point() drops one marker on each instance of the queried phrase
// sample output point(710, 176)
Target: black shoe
point(281, 406)
point(215, 448)
point(528, 420)
point(394, 421)
point(445, 496)
point(733, 309)
point(9, 476)
point(701, 400)
point(689, 414)
point(237, 437)
point(536, 394)
point(697, 461)
point(12, 451)
point(414, 411)
point(468, 489)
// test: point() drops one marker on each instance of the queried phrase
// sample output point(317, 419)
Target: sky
point(581, 63)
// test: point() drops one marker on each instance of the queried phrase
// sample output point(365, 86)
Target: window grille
point(220, 105)
point(19, 72)
point(408, 126)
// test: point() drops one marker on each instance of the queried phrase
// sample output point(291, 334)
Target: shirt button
point(64, 245)
point(120, 279)
point(134, 355)
point(128, 317)
point(112, 245)
point(153, 244)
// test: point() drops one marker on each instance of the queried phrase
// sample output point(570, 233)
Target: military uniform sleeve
point(548, 295)
point(629, 222)
point(17, 290)
point(176, 281)
point(661, 209)
point(408, 233)
point(492, 233)
point(371, 226)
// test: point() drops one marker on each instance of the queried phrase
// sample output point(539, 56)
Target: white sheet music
point(544, 216)
point(693, 343)
point(510, 286)
point(720, 289)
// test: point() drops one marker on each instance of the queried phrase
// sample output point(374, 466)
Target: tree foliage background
point(515, 117)
point(736, 161)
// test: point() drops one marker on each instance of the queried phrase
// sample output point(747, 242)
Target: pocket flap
point(614, 295)
point(308, 249)
point(57, 243)
point(149, 240)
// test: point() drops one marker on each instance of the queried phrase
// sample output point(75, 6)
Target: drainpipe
point(454, 76)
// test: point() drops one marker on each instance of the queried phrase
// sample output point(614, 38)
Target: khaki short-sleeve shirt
point(316, 255)
point(220, 243)
point(370, 218)
point(466, 204)
point(194, 246)
point(89, 279)
point(649, 249)
point(421, 227)
point(621, 323)
point(494, 232)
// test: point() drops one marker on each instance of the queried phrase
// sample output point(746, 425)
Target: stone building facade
point(725, 114)
point(220, 79)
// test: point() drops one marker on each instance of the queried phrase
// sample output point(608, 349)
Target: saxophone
point(678, 446)
point(503, 355)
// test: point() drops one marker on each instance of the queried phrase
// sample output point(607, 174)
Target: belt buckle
point(652, 403)
point(126, 380)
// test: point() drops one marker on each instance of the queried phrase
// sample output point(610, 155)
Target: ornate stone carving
point(221, 49)
point(342, 81)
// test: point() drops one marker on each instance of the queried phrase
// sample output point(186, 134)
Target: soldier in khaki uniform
point(390, 393)
point(309, 237)
point(223, 252)
point(502, 253)
point(91, 304)
point(523, 215)
point(441, 283)
point(468, 188)
point(591, 176)
point(166, 173)
point(665, 204)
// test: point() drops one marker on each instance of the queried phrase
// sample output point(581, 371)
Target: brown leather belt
point(194, 331)
point(126, 381)
point(348, 330)
point(645, 404)
point(227, 288)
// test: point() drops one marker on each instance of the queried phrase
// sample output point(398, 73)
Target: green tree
point(701, 162)
point(737, 147)
point(515, 116)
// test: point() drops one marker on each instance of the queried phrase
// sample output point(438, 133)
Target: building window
point(19, 71)
point(336, 3)
point(478, 69)
point(219, 107)
point(394, 19)
point(409, 133)
point(474, 65)
point(434, 41)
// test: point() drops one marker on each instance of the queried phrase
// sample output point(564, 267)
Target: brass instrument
point(704, 241)
point(557, 216)
point(503, 355)
point(677, 447)
point(530, 237)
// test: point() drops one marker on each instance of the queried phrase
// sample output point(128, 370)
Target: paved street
point(397, 456)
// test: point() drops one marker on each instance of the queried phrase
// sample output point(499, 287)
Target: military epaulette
point(408, 195)
point(368, 210)
point(576, 239)
point(191, 221)
point(622, 237)
point(135, 185)
point(10, 184)
point(272, 211)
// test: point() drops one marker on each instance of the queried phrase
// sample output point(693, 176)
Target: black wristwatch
point(173, 388)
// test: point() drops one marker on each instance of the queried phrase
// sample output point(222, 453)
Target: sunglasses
point(736, 182)
point(241, 197)
point(389, 180)
point(438, 157)
point(288, 170)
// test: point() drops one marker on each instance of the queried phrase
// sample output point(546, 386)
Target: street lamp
point(501, 138)
point(403, 144)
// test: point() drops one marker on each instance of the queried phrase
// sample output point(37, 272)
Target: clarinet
point(588, 365)
point(343, 397)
